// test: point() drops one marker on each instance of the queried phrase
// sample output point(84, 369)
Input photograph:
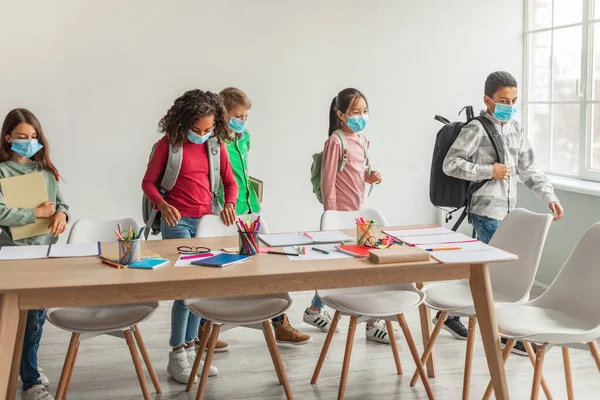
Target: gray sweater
point(23, 216)
point(472, 157)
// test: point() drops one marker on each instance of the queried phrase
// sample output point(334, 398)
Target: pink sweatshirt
point(343, 190)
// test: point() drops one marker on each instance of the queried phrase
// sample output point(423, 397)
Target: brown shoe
point(219, 348)
point(285, 333)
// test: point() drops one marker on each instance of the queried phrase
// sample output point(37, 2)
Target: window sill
point(575, 185)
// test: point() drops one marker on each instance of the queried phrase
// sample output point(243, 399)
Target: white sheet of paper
point(464, 246)
point(74, 250)
point(23, 252)
point(331, 237)
point(285, 239)
point(472, 256)
point(312, 255)
point(436, 239)
point(434, 230)
point(188, 263)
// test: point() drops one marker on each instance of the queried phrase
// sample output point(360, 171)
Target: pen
point(282, 253)
point(203, 255)
point(445, 248)
point(320, 250)
point(308, 236)
point(112, 264)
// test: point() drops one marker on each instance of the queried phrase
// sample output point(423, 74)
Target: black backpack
point(446, 191)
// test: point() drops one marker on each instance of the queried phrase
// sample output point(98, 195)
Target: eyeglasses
point(193, 250)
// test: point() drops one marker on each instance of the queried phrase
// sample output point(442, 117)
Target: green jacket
point(247, 201)
point(24, 216)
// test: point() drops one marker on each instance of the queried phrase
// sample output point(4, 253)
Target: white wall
point(100, 75)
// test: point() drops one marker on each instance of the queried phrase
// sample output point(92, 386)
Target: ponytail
point(342, 102)
point(333, 118)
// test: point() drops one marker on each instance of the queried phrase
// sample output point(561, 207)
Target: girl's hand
point(58, 224)
point(169, 214)
point(374, 177)
point(557, 210)
point(228, 214)
point(46, 210)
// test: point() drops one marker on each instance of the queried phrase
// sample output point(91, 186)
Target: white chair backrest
point(331, 220)
point(90, 231)
point(213, 226)
point(522, 233)
point(575, 289)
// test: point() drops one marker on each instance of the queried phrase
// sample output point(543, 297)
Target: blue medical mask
point(237, 125)
point(504, 112)
point(197, 139)
point(357, 123)
point(26, 147)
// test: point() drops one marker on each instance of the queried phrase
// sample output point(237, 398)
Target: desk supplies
point(320, 250)
point(398, 255)
point(248, 236)
point(196, 256)
point(281, 253)
point(299, 239)
point(360, 251)
point(364, 231)
point(222, 260)
point(149, 263)
point(113, 264)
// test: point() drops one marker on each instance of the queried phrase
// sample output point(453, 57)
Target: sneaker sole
point(294, 343)
point(183, 383)
point(456, 335)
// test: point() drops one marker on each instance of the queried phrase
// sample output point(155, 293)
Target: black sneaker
point(454, 326)
point(518, 348)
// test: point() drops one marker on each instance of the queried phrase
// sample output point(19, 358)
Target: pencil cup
point(364, 233)
point(129, 251)
point(248, 243)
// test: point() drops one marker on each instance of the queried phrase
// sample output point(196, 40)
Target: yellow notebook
point(26, 191)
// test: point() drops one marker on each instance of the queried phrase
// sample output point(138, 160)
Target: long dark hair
point(16, 117)
point(189, 108)
point(345, 99)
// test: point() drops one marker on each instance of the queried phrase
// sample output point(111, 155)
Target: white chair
point(522, 233)
point(565, 314)
point(388, 302)
point(118, 320)
point(235, 311)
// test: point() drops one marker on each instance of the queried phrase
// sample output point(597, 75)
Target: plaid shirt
point(472, 157)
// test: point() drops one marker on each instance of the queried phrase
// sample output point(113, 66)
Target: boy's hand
point(501, 171)
point(58, 224)
point(46, 210)
point(228, 214)
point(169, 214)
point(374, 177)
point(557, 210)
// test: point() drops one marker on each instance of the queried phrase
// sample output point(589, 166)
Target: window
point(562, 89)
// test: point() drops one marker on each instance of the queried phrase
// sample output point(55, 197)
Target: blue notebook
point(221, 260)
point(149, 263)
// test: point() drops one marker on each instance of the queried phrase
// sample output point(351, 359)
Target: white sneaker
point(43, 377)
point(378, 332)
point(36, 392)
point(320, 319)
point(191, 356)
point(178, 367)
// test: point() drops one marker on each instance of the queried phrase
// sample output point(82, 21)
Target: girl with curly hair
point(190, 122)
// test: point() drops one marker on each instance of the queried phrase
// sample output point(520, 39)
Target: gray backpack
point(169, 177)
point(315, 169)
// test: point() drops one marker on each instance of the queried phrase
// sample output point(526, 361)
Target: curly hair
point(187, 110)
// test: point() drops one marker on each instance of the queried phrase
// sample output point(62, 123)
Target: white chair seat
point(373, 301)
point(543, 325)
point(101, 319)
point(456, 297)
point(241, 310)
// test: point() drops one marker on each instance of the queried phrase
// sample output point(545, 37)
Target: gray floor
point(104, 369)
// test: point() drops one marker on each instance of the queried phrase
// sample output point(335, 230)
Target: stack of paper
point(470, 252)
point(451, 237)
point(50, 251)
point(302, 239)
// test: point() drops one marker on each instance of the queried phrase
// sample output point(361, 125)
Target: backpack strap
point(365, 146)
point(214, 162)
point(344, 159)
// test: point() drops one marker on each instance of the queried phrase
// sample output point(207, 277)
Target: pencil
point(445, 248)
point(282, 253)
point(320, 250)
point(112, 264)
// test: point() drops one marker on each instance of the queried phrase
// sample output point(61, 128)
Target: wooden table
point(34, 284)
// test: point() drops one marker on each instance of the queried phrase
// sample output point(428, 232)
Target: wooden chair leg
point(568, 377)
point(531, 355)
point(505, 353)
point(347, 357)
point(68, 385)
point(271, 353)
point(392, 336)
point(64, 376)
point(140, 342)
point(469, 357)
point(429, 348)
point(537, 375)
point(206, 332)
point(208, 361)
point(17, 355)
point(325, 349)
point(415, 354)
point(135, 357)
point(272, 344)
point(594, 349)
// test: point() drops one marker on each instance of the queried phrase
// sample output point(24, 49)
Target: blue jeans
point(184, 323)
point(31, 344)
point(485, 227)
